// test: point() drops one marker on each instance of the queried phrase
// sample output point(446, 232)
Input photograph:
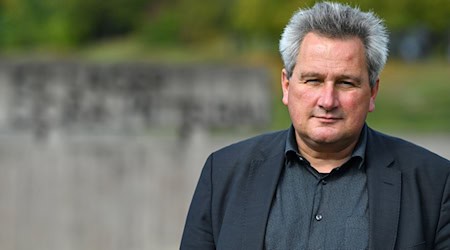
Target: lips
point(328, 118)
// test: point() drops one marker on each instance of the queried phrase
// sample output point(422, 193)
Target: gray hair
point(337, 20)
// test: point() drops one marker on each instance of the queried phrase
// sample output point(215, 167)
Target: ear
point(285, 86)
point(373, 95)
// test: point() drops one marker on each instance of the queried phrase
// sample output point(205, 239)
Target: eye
point(312, 81)
point(346, 83)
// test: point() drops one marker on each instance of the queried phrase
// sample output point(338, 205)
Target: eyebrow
point(309, 74)
point(340, 77)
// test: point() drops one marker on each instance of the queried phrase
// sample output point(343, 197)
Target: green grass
point(413, 97)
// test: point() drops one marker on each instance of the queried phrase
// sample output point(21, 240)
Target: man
point(330, 181)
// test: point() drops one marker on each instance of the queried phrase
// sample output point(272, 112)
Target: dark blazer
point(408, 186)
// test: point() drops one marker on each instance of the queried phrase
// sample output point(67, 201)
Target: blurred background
point(108, 109)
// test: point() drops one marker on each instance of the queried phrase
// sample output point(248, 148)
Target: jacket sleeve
point(198, 233)
point(442, 240)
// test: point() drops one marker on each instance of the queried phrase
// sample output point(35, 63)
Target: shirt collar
point(291, 149)
point(291, 142)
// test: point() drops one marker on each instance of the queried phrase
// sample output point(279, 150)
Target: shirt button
point(324, 182)
point(319, 217)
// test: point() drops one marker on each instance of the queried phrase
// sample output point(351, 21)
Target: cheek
point(356, 105)
point(303, 97)
point(301, 103)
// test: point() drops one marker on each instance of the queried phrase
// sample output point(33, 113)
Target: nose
point(328, 99)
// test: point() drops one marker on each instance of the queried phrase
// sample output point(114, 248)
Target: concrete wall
point(67, 97)
point(107, 156)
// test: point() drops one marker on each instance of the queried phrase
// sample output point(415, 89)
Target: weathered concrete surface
point(98, 192)
point(68, 97)
point(106, 156)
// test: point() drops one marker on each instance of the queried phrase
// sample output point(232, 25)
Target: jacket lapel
point(262, 183)
point(384, 187)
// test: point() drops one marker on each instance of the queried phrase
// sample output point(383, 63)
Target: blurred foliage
point(74, 23)
point(26, 24)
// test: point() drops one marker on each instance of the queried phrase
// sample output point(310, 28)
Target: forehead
point(320, 53)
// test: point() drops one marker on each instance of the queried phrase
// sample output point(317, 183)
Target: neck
point(324, 158)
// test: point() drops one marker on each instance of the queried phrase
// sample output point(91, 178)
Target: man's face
point(328, 95)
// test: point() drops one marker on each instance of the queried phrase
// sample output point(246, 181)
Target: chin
point(324, 141)
point(325, 137)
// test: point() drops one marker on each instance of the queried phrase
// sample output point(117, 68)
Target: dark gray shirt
point(311, 210)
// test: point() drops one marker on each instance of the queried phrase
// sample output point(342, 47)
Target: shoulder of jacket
point(408, 151)
point(260, 143)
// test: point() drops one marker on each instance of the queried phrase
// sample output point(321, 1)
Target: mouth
point(328, 119)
